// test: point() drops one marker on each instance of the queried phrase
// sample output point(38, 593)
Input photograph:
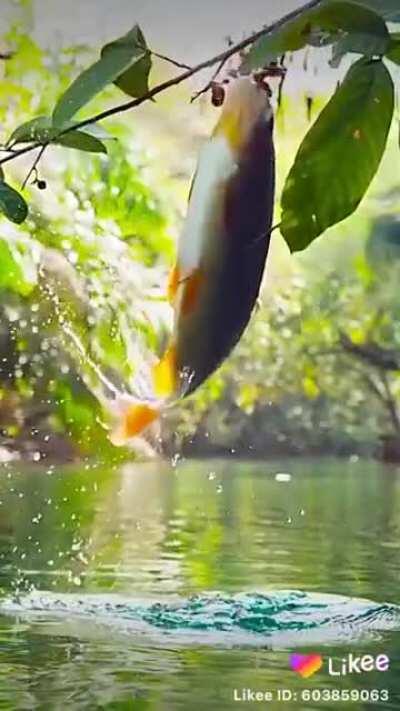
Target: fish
point(221, 256)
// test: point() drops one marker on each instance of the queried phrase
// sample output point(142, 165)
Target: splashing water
point(70, 306)
point(278, 620)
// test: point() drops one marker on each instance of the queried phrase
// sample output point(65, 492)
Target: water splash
point(279, 619)
point(74, 314)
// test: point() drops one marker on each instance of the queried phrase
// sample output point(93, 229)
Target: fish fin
point(173, 283)
point(192, 287)
point(165, 375)
point(134, 421)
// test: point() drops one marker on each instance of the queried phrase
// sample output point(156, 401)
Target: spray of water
point(76, 317)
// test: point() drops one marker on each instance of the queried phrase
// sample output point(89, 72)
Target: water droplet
point(283, 477)
point(175, 459)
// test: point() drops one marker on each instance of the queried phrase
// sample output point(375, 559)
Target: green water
point(159, 587)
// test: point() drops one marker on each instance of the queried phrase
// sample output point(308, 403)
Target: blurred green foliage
point(83, 276)
point(319, 368)
point(82, 291)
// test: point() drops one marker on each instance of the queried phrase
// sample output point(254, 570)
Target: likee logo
point(306, 664)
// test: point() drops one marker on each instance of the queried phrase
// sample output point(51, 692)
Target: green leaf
point(12, 204)
point(393, 52)
point(134, 81)
point(328, 23)
point(96, 130)
point(120, 56)
point(81, 141)
point(12, 274)
point(37, 129)
point(368, 45)
point(389, 9)
point(41, 129)
point(339, 156)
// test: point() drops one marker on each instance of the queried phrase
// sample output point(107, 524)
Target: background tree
point(82, 267)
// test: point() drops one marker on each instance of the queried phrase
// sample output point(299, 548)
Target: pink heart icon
point(306, 664)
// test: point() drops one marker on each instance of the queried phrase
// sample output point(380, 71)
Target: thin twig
point(174, 81)
point(180, 65)
point(34, 166)
point(212, 80)
point(281, 82)
point(264, 235)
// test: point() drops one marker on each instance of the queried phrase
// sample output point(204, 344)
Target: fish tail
point(134, 416)
point(135, 419)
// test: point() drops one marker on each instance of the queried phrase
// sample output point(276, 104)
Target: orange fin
point(191, 292)
point(135, 420)
point(173, 284)
point(165, 375)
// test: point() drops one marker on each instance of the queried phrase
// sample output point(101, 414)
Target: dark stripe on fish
point(245, 238)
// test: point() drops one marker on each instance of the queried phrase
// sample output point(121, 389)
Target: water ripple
point(276, 619)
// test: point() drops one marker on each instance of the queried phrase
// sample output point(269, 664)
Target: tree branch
point(34, 167)
point(391, 403)
point(180, 65)
point(382, 358)
point(174, 81)
point(211, 81)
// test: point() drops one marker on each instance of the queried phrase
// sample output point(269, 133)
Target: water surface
point(160, 587)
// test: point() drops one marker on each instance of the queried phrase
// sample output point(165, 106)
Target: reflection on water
point(159, 586)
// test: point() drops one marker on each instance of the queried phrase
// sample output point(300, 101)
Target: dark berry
point(217, 95)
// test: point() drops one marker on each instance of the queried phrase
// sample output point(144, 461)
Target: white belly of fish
point(215, 167)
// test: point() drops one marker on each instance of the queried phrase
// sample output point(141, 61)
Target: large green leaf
point(359, 43)
point(116, 58)
point(329, 22)
point(339, 156)
point(37, 129)
point(41, 129)
point(387, 8)
point(82, 141)
point(12, 204)
point(134, 81)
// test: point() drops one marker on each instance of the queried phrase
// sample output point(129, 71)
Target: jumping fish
point(222, 251)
